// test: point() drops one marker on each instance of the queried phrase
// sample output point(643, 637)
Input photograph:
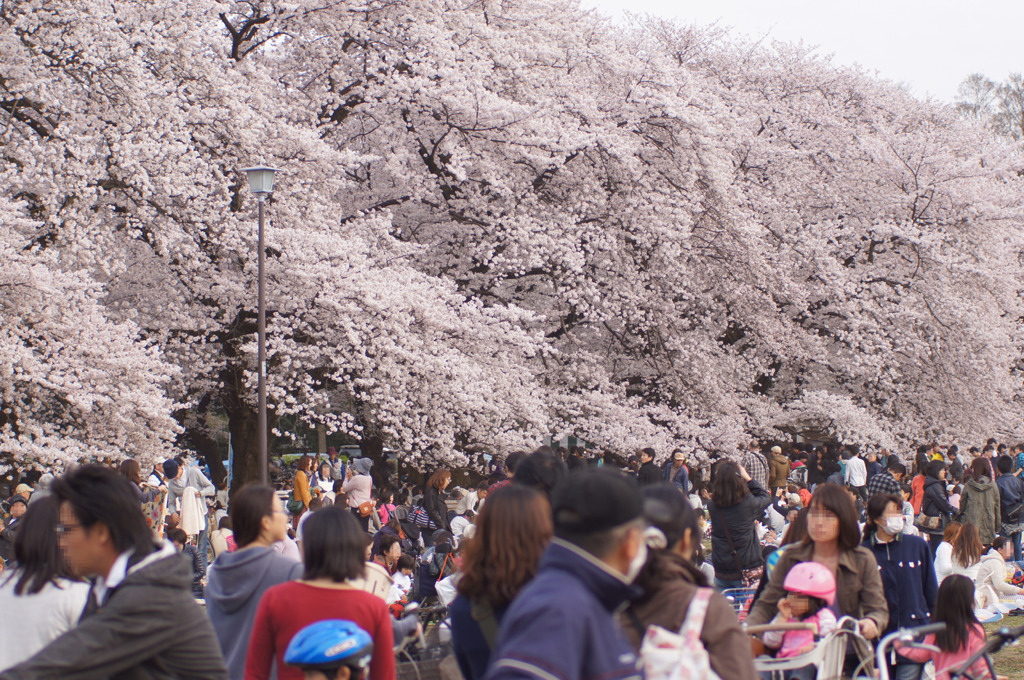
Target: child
point(401, 580)
point(954, 496)
point(180, 540)
point(963, 635)
point(906, 492)
point(810, 589)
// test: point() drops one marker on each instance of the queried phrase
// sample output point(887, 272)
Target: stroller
point(828, 655)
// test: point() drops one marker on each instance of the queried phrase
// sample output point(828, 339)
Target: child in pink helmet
point(811, 589)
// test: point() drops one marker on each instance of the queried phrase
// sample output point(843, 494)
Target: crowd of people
point(555, 564)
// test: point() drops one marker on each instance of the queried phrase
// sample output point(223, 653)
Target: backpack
point(679, 656)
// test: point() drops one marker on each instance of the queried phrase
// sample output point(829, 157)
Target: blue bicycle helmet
point(330, 644)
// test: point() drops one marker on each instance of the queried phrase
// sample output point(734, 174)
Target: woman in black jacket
point(936, 502)
point(432, 501)
point(736, 501)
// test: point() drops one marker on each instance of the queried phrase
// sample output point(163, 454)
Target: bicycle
point(909, 637)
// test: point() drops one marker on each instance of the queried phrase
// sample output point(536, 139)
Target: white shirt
point(459, 524)
point(856, 472)
point(943, 561)
point(30, 622)
point(467, 502)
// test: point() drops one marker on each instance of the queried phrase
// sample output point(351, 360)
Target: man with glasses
point(141, 620)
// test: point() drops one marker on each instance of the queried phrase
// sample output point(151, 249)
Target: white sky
point(929, 45)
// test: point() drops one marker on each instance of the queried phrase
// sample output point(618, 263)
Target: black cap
point(592, 500)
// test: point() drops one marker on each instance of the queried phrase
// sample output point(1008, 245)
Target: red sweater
point(289, 607)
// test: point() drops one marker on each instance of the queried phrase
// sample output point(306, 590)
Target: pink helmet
point(813, 579)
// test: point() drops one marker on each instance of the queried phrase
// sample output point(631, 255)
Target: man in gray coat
point(141, 622)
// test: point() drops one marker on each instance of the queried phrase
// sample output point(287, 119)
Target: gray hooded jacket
point(237, 581)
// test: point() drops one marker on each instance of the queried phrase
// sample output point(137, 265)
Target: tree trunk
point(242, 424)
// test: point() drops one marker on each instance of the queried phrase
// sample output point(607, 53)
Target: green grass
point(1010, 661)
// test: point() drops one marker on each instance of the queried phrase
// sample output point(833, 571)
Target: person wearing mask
point(736, 502)
point(141, 620)
point(935, 503)
point(512, 531)
point(41, 598)
point(562, 624)
point(649, 473)
point(433, 503)
point(670, 583)
point(833, 540)
point(1011, 504)
point(334, 548)
point(237, 580)
point(676, 473)
point(908, 575)
point(979, 501)
point(358, 490)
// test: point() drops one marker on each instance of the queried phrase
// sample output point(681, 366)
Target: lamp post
point(261, 183)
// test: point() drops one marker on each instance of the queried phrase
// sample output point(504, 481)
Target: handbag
point(365, 509)
point(750, 577)
point(667, 655)
point(294, 506)
point(421, 518)
point(927, 523)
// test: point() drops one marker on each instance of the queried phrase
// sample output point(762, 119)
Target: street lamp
point(261, 183)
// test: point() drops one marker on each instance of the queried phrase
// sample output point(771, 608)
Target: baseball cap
point(170, 468)
point(589, 501)
point(679, 455)
point(23, 488)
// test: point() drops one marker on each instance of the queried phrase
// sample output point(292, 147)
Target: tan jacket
point(779, 468)
point(858, 587)
point(669, 587)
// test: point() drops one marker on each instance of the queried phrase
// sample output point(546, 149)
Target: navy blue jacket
point(472, 652)
point(1011, 494)
point(561, 626)
point(908, 578)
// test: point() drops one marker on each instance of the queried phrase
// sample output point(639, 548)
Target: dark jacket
point(191, 553)
point(979, 504)
point(436, 508)
point(237, 581)
point(7, 540)
point(936, 503)
point(650, 473)
point(1011, 495)
point(669, 584)
point(469, 642)
point(149, 627)
point(562, 625)
point(908, 577)
point(737, 523)
point(681, 479)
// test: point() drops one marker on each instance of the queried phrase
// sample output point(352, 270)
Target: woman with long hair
point(670, 583)
point(979, 501)
point(833, 540)
point(40, 598)
point(967, 552)
point(944, 553)
point(736, 501)
point(432, 501)
point(908, 575)
point(512, 530)
point(334, 548)
point(935, 502)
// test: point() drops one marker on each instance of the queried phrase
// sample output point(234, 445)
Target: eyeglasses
point(65, 528)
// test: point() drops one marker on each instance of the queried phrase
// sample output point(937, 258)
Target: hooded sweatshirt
point(979, 503)
point(237, 581)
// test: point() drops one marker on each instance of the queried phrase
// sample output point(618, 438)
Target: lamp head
point(261, 179)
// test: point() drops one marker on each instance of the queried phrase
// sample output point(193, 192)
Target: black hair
point(36, 548)
point(540, 470)
point(177, 536)
point(876, 508)
point(513, 459)
point(1004, 464)
point(249, 506)
point(814, 605)
point(99, 495)
point(896, 466)
point(668, 510)
point(333, 545)
point(225, 523)
point(999, 541)
point(934, 468)
point(386, 541)
point(405, 562)
point(954, 606)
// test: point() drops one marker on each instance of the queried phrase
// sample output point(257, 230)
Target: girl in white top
point(39, 599)
point(967, 552)
point(944, 551)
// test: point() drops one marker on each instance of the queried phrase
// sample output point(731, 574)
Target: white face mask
point(637, 562)
point(894, 525)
